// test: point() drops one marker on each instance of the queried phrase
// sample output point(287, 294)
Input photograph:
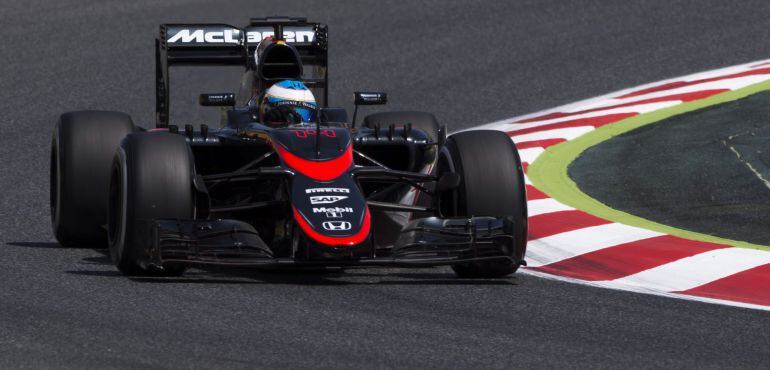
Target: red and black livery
point(394, 191)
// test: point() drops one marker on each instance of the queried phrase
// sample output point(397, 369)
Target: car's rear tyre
point(82, 148)
point(419, 120)
point(491, 184)
point(152, 177)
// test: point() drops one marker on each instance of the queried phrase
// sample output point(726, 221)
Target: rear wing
point(212, 44)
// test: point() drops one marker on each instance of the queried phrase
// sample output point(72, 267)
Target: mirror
point(217, 100)
point(370, 98)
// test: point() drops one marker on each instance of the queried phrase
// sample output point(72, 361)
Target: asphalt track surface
point(719, 187)
point(471, 63)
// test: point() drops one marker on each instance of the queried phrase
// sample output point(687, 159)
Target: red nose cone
point(317, 170)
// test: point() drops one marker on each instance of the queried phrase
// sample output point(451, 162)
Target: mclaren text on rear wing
point(215, 35)
point(212, 44)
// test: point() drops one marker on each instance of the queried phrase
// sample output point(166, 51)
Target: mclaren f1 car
point(392, 191)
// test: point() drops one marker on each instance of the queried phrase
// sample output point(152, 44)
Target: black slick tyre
point(152, 178)
point(82, 148)
point(491, 184)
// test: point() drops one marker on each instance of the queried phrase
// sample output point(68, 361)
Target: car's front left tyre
point(491, 184)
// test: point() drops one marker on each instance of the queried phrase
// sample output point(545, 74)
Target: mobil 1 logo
point(333, 212)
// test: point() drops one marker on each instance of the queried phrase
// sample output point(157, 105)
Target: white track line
point(503, 123)
point(717, 72)
point(567, 133)
point(569, 244)
point(697, 270)
point(547, 205)
point(530, 154)
point(635, 289)
point(511, 125)
point(639, 109)
point(730, 84)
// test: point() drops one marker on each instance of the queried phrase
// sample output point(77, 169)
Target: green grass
point(549, 172)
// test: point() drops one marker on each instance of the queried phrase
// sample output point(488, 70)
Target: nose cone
point(333, 212)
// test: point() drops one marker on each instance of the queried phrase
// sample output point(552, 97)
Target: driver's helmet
point(287, 102)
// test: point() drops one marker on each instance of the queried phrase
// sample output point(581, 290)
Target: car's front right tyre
point(151, 178)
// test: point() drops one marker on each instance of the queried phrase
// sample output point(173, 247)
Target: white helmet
point(286, 102)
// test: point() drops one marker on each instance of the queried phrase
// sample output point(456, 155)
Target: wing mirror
point(217, 100)
point(370, 98)
point(367, 98)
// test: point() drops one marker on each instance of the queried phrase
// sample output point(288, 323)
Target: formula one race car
point(274, 188)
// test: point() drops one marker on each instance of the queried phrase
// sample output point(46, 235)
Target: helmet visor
point(307, 114)
point(306, 110)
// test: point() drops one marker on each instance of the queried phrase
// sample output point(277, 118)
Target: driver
point(286, 103)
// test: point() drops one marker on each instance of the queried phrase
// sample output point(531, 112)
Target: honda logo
point(336, 225)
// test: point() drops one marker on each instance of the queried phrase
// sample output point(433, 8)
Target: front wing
point(423, 242)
